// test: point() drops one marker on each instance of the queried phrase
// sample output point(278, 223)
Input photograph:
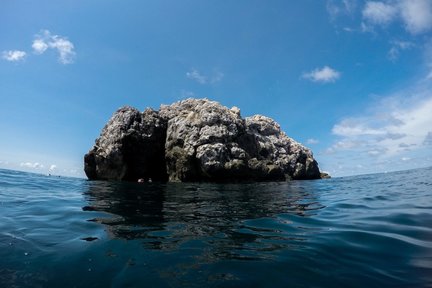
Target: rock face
point(196, 140)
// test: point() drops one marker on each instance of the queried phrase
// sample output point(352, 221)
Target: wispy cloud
point(13, 55)
point(322, 75)
point(45, 40)
point(312, 141)
point(197, 76)
point(380, 13)
point(216, 77)
point(416, 15)
point(35, 165)
point(186, 94)
point(337, 8)
point(396, 136)
point(397, 46)
point(399, 124)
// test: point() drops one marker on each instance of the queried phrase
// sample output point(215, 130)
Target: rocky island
point(196, 140)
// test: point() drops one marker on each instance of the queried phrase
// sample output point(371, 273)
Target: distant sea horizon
point(53, 174)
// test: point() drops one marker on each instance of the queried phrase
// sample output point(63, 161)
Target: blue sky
point(350, 79)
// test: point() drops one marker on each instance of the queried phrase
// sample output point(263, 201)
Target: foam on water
point(372, 230)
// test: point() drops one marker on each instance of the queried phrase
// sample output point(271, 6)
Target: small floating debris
point(89, 239)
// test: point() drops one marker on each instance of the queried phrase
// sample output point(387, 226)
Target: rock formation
point(196, 140)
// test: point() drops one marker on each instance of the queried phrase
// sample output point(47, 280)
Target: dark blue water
point(364, 231)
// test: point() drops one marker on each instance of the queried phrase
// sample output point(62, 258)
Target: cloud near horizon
point(395, 134)
point(322, 75)
point(398, 125)
point(35, 165)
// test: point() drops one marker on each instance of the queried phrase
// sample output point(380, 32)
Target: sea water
point(362, 231)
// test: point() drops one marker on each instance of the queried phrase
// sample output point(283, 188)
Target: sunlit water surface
point(363, 231)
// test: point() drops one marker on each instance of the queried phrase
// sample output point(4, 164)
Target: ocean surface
point(362, 231)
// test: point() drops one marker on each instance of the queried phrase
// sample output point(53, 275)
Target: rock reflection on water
point(241, 221)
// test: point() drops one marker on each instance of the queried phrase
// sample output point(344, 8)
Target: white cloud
point(42, 42)
point(340, 7)
point(45, 40)
point(349, 29)
point(39, 46)
point(14, 55)
point(399, 123)
point(65, 48)
point(393, 134)
point(31, 165)
point(345, 144)
point(354, 127)
point(195, 75)
point(397, 47)
point(312, 141)
point(323, 75)
point(416, 15)
point(203, 79)
point(52, 167)
point(379, 12)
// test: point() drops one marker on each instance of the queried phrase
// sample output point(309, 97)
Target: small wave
point(371, 230)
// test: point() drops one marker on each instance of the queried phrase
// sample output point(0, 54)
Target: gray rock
point(131, 146)
point(275, 146)
point(196, 140)
point(325, 175)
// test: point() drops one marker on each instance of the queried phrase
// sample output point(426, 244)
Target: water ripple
point(371, 230)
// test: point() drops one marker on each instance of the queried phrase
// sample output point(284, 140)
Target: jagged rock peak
point(196, 140)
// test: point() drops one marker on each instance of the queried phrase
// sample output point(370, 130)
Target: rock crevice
point(196, 140)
